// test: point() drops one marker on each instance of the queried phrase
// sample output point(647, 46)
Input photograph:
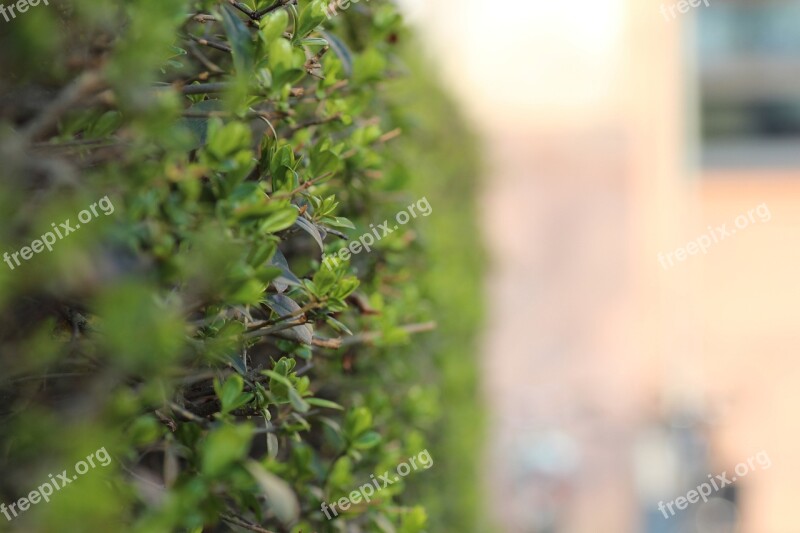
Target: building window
point(749, 76)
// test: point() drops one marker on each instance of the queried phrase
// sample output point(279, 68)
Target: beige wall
point(747, 298)
point(588, 115)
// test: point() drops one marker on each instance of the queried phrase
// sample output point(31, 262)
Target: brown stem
point(241, 522)
point(371, 336)
point(88, 83)
point(211, 44)
point(267, 10)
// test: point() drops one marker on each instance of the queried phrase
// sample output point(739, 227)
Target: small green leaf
point(323, 162)
point(367, 440)
point(321, 402)
point(225, 446)
point(369, 66)
point(339, 222)
point(224, 141)
point(357, 421)
point(273, 25)
point(312, 230)
point(280, 220)
point(281, 499)
point(338, 326)
point(230, 391)
point(297, 401)
point(311, 17)
point(342, 52)
point(280, 55)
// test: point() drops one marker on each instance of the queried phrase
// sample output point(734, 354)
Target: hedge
point(240, 272)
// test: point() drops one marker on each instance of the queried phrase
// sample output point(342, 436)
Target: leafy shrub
point(188, 326)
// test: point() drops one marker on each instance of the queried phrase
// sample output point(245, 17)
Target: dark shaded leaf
point(240, 39)
point(341, 51)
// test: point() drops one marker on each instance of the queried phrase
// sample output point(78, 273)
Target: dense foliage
point(173, 172)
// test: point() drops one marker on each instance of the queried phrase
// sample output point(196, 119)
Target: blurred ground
point(560, 367)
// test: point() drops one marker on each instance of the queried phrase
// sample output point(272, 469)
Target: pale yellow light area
point(525, 61)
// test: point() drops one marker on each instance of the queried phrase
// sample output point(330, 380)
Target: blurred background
point(618, 130)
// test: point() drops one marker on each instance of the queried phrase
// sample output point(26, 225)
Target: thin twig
point(371, 336)
point(274, 329)
point(203, 88)
point(211, 44)
point(294, 314)
point(210, 65)
point(203, 18)
point(86, 84)
point(302, 187)
point(187, 414)
point(69, 144)
point(243, 8)
point(241, 522)
point(167, 421)
point(267, 10)
point(49, 376)
point(315, 122)
point(333, 344)
point(389, 135)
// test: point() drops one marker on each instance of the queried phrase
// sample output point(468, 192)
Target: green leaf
point(321, 402)
point(230, 391)
point(414, 521)
point(357, 421)
point(369, 66)
point(324, 280)
point(297, 401)
point(224, 141)
point(263, 208)
point(323, 162)
point(225, 446)
point(282, 305)
point(339, 222)
point(273, 25)
point(240, 39)
point(279, 385)
point(311, 17)
point(105, 125)
point(367, 440)
point(140, 332)
point(231, 394)
point(338, 326)
point(280, 55)
point(261, 253)
point(342, 52)
point(280, 220)
point(346, 287)
point(199, 126)
point(312, 230)
point(303, 334)
point(287, 277)
point(281, 499)
point(314, 41)
point(250, 292)
point(267, 274)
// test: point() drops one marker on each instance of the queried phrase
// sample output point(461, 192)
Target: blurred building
point(618, 133)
